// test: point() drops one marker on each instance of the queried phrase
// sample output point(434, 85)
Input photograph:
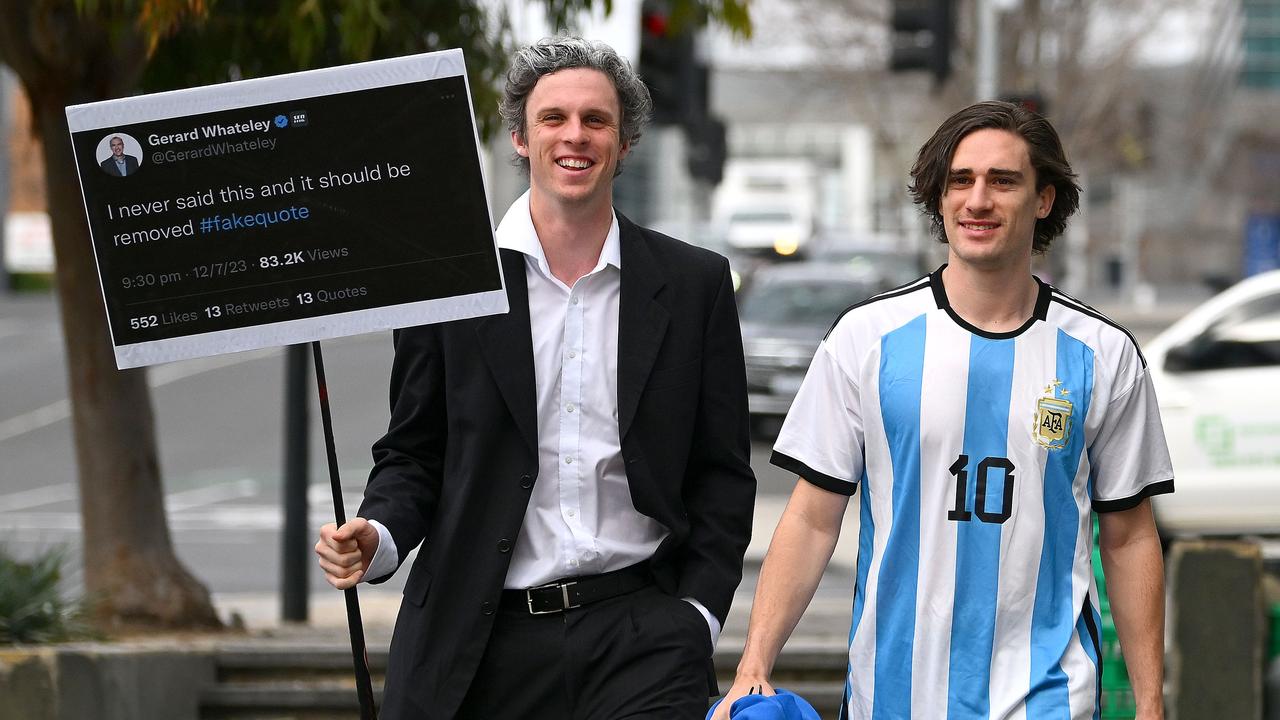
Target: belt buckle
point(564, 596)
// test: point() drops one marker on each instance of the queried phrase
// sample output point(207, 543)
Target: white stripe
point(34, 420)
point(159, 376)
point(210, 494)
point(226, 517)
point(37, 496)
point(943, 404)
point(862, 651)
point(1077, 665)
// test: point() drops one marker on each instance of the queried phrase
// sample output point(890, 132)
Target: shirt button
point(486, 607)
point(504, 545)
point(569, 407)
point(573, 353)
point(568, 460)
point(571, 513)
point(573, 300)
point(526, 481)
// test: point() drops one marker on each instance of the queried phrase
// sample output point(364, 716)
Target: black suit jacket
point(459, 459)
point(130, 165)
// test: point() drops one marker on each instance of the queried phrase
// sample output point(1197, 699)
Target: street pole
point(987, 75)
point(5, 85)
point(296, 554)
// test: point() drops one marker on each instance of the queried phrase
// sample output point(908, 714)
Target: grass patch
point(30, 282)
point(32, 607)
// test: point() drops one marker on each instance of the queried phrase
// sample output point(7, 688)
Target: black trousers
point(640, 656)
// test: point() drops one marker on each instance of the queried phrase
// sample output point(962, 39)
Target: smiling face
point(117, 147)
point(990, 206)
point(572, 141)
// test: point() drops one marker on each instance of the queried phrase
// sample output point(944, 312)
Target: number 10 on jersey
point(960, 470)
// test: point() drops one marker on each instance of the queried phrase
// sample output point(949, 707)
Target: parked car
point(887, 268)
point(1217, 375)
point(785, 312)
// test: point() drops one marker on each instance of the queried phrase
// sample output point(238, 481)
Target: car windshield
point(810, 302)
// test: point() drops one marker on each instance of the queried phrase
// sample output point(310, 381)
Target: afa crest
point(1053, 418)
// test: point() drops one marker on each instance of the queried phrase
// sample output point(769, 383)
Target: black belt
point(575, 592)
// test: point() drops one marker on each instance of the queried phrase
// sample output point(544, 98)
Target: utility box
point(1217, 630)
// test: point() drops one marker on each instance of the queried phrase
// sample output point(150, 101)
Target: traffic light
point(680, 87)
point(707, 148)
point(666, 64)
point(921, 32)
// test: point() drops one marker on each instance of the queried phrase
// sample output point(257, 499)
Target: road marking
point(158, 377)
point(194, 510)
point(34, 420)
point(208, 495)
point(36, 497)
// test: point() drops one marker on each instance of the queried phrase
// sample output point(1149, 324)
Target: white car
point(1217, 375)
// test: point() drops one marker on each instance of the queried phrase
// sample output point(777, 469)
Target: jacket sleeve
point(404, 485)
point(719, 486)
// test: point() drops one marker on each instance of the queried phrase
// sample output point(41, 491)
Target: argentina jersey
point(980, 457)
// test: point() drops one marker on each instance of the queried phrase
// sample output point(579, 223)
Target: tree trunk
point(132, 576)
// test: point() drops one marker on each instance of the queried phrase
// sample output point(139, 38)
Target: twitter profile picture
point(119, 154)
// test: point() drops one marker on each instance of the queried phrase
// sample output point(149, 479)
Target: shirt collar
point(516, 232)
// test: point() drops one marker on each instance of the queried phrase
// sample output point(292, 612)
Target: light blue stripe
point(900, 383)
point(986, 429)
point(1055, 615)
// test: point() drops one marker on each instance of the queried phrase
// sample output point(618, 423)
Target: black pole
point(364, 684)
point(295, 545)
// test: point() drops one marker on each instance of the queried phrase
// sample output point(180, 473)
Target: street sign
point(287, 209)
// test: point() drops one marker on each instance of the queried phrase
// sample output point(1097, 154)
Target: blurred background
point(786, 149)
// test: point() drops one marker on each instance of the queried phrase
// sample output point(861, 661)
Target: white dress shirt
point(580, 519)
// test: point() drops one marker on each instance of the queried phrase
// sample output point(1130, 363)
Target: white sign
point(28, 243)
point(288, 209)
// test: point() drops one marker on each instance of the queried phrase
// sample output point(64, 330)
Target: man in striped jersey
point(985, 416)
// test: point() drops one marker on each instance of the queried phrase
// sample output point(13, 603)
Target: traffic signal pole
point(987, 75)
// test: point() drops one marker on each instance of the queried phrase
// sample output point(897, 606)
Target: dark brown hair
point(932, 168)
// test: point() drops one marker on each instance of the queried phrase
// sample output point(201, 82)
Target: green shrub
point(32, 608)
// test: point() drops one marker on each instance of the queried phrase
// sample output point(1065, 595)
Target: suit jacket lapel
point(507, 345)
point(642, 320)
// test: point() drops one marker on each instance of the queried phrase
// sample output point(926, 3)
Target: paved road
point(220, 425)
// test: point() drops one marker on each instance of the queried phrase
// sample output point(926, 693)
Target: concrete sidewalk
point(827, 619)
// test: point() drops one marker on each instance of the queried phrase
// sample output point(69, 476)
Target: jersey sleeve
point(1129, 455)
point(822, 439)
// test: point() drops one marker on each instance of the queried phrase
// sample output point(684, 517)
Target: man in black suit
point(576, 470)
point(119, 164)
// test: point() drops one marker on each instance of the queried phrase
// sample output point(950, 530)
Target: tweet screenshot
point(287, 209)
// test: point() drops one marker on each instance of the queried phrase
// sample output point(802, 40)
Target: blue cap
point(786, 705)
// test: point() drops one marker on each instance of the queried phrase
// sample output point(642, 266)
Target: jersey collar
point(1040, 312)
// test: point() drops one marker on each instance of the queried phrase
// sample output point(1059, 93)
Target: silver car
point(785, 311)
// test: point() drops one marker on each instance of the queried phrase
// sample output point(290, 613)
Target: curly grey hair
point(549, 55)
